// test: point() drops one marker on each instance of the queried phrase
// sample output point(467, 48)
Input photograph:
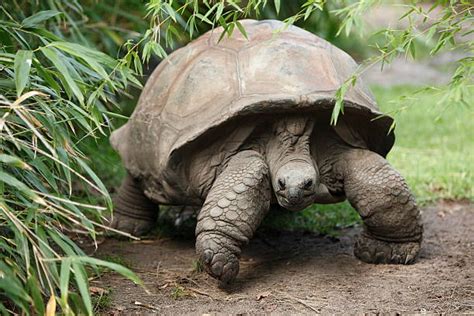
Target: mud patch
point(302, 273)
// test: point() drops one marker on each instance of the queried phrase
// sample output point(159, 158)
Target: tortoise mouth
point(294, 205)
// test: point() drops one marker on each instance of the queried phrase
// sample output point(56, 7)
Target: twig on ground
point(158, 269)
point(146, 305)
point(200, 292)
point(182, 280)
point(302, 302)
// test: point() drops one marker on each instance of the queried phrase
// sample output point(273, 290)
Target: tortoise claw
point(220, 262)
point(372, 250)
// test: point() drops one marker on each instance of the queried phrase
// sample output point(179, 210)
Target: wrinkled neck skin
point(289, 141)
point(293, 171)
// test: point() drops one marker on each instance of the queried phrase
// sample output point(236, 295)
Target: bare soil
point(292, 272)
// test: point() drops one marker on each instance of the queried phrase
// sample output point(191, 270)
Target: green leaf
point(85, 53)
point(171, 12)
point(11, 287)
point(39, 17)
point(45, 173)
point(64, 281)
point(113, 266)
point(20, 186)
point(61, 242)
point(64, 71)
point(204, 18)
point(277, 6)
point(83, 285)
point(340, 94)
point(22, 66)
point(47, 77)
point(242, 29)
point(34, 287)
point(307, 13)
point(13, 161)
point(96, 179)
point(412, 48)
point(220, 9)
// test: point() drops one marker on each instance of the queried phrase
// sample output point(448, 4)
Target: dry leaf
point(98, 290)
point(51, 307)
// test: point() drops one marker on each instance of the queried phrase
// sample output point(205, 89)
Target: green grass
point(434, 151)
point(323, 219)
point(434, 148)
point(101, 301)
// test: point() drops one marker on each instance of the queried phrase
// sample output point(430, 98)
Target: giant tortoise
point(236, 125)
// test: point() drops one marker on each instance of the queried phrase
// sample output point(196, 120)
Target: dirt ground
point(283, 272)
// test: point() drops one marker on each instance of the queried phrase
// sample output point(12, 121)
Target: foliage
point(66, 65)
point(442, 25)
point(54, 92)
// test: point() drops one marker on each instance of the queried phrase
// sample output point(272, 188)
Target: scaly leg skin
point(392, 226)
point(234, 208)
point(134, 213)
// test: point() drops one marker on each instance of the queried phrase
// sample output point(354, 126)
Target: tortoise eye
point(308, 184)
point(281, 184)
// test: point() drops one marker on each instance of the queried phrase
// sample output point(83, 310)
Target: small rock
point(263, 295)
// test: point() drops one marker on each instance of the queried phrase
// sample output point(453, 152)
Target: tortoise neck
point(290, 140)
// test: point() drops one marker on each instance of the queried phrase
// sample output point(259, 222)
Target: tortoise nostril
point(308, 184)
point(281, 183)
point(294, 195)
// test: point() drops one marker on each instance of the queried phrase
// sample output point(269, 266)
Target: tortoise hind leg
point(134, 213)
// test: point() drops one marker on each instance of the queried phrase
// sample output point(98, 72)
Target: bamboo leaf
point(171, 12)
point(242, 29)
point(83, 285)
point(113, 266)
point(20, 186)
point(46, 75)
point(39, 17)
point(63, 70)
point(64, 281)
point(339, 98)
point(34, 287)
point(204, 18)
point(85, 53)
point(14, 161)
point(277, 6)
point(22, 66)
point(220, 9)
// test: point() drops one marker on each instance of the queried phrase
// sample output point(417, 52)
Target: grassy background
point(433, 150)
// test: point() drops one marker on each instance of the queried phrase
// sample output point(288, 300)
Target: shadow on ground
point(302, 273)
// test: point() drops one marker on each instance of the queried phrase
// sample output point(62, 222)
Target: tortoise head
point(294, 174)
point(295, 184)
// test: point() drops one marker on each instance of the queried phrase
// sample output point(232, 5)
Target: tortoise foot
point(219, 261)
point(372, 250)
point(134, 226)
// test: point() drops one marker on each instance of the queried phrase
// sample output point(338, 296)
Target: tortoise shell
point(276, 69)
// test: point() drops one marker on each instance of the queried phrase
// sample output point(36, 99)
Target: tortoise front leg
point(234, 208)
point(392, 227)
point(134, 213)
